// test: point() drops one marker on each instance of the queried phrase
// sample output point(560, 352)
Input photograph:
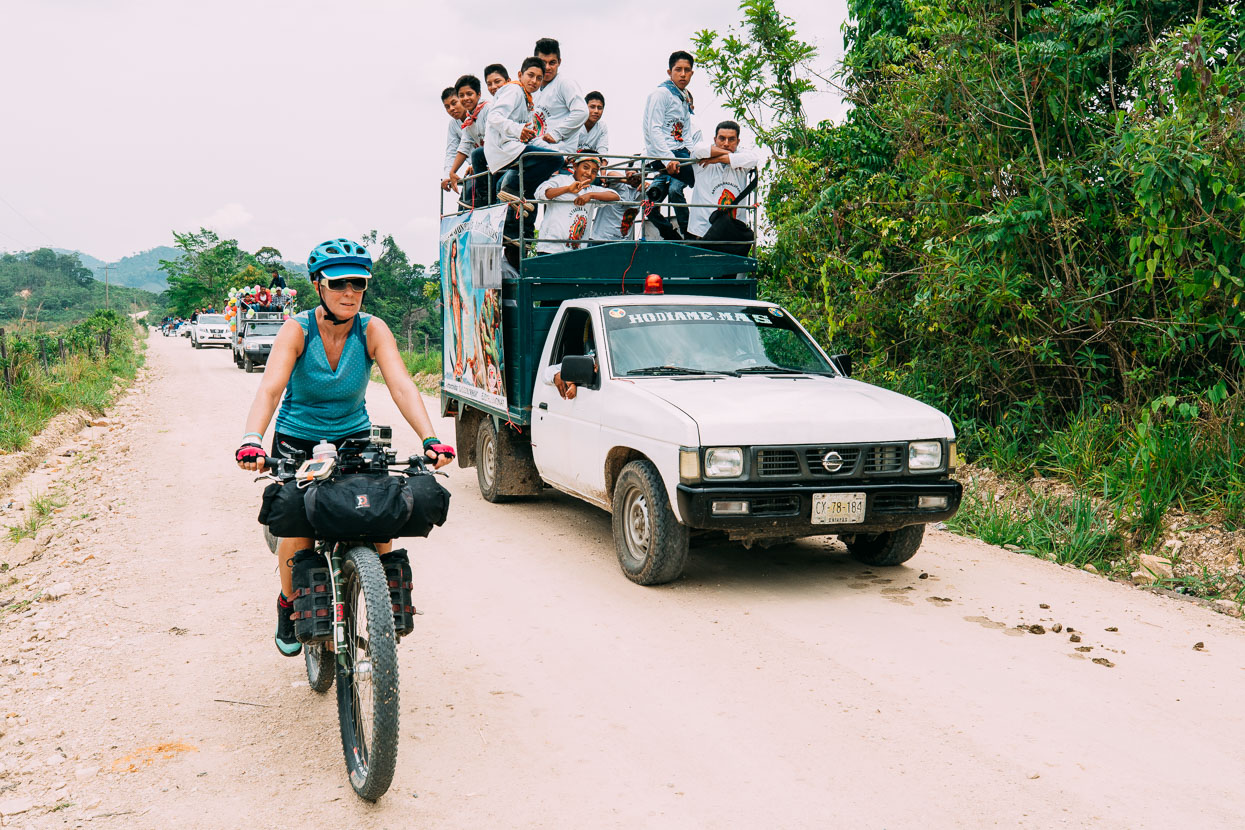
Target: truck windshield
point(262, 329)
point(212, 319)
point(700, 339)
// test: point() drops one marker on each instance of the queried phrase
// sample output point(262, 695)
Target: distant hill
point(142, 270)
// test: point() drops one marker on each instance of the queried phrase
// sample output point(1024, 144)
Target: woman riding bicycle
point(321, 361)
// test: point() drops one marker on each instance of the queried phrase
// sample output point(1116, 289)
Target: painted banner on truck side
point(471, 257)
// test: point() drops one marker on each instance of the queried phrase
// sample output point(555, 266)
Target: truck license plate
point(838, 508)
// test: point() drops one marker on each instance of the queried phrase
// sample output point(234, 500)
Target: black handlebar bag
point(284, 512)
point(431, 505)
point(360, 507)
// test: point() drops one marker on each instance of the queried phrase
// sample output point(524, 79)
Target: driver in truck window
point(576, 339)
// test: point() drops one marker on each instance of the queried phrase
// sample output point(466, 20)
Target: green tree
point(1028, 208)
point(396, 293)
point(206, 270)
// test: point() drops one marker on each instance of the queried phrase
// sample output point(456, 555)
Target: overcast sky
point(285, 123)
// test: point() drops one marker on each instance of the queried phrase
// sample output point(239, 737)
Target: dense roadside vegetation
point(44, 286)
point(98, 351)
point(400, 293)
point(1032, 217)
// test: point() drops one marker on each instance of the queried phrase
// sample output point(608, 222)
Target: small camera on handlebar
point(381, 436)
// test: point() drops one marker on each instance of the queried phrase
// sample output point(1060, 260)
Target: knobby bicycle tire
point(368, 711)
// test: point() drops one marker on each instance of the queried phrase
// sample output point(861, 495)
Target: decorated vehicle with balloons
point(255, 315)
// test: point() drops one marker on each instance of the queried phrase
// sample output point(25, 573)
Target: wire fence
point(22, 357)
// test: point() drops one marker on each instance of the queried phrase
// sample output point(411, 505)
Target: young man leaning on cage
point(476, 192)
point(510, 142)
point(723, 173)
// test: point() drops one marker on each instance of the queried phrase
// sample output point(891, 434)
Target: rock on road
point(780, 688)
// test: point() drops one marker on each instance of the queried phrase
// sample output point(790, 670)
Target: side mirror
point(843, 362)
point(580, 370)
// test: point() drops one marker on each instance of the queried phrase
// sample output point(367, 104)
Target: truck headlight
point(724, 462)
point(925, 455)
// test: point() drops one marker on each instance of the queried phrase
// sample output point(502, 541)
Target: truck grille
point(806, 462)
point(886, 458)
point(778, 463)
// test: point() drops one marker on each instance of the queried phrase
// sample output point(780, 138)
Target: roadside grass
point(1071, 531)
point(78, 383)
point(1124, 477)
point(41, 508)
point(424, 369)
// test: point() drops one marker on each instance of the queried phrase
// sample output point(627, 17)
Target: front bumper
point(787, 511)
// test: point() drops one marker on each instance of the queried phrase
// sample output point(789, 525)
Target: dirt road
point(783, 688)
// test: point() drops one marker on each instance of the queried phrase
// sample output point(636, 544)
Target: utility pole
point(107, 304)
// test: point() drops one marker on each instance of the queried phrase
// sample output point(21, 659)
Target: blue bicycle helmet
point(339, 258)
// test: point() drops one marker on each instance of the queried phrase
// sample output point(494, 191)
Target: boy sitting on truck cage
point(566, 218)
point(668, 132)
point(454, 132)
point(509, 136)
point(722, 174)
point(614, 220)
point(559, 103)
point(476, 193)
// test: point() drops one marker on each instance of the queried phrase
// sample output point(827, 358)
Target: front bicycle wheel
point(367, 685)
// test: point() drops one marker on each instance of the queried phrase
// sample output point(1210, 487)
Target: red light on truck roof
point(652, 285)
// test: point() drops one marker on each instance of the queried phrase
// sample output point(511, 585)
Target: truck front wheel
point(894, 547)
point(651, 544)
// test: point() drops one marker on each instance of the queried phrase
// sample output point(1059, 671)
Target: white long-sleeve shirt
point(473, 130)
point(453, 135)
point(507, 116)
point(668, 124)
point(596, 140)
point(718, 184)
point(562, 109)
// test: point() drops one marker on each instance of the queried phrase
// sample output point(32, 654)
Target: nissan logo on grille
point(832, 461)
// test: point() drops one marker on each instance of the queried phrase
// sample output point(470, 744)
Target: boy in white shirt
point(477, 193)
point(559, 103)
point(668, 132)
point(566, 218)
point(509, 140)
point(453, 134)
point(593, 136)
point(614, 220)
point(723, 171)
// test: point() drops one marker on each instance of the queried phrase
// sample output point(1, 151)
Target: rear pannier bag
point(360, 507)
point(284, 512)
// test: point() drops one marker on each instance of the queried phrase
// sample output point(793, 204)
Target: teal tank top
point(320, 403)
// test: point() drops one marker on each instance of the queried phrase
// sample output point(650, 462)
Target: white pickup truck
point(696, 414)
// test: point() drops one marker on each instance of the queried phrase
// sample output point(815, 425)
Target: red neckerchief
point(471, 118)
